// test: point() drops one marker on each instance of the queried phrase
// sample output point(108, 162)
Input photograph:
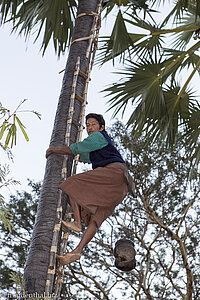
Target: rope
point(92, 13)
point(82, 39)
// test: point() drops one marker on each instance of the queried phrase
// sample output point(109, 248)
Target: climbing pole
point(55, 276)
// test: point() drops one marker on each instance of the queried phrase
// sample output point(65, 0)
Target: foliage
point(18, 284)
point(54, 19)
point(9, 124)
point(160, 61)
point(15, 243)
point(5, 215)
point(163, 221)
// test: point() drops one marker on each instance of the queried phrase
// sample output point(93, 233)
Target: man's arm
point(60, 150)
point(93, 142)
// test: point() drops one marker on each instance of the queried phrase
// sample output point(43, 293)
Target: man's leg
point(87, 236)
point(76, 225)
point(76, 253)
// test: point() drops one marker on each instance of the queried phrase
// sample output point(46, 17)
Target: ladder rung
point(76, 123)
point(83, 74)
point(79, 98)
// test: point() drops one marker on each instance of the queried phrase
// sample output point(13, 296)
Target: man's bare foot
point(71, 225)
point(68, 258)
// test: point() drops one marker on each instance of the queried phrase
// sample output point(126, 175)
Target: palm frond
point(152, 37)
point(9, 7)
point(158, 106)
point(135, 5)
point(190, 60)
point(122, 43)
point(54, 18)
point(118, 43)
point(138, 79)
point(186, 5)
point(175, 115)
point(189, 25)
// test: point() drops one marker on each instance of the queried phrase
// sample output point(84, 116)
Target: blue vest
point(106, 155)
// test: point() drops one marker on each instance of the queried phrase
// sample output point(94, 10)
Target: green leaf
point(3, 128)
point(22, 128)
point(8, 137)
point(14, 136)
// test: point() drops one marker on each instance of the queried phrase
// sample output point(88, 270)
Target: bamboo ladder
point(55, 277)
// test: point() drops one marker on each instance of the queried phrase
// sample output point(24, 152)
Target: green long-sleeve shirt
point(93, 142)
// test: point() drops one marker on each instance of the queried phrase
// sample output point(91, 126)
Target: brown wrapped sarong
point(97, 192)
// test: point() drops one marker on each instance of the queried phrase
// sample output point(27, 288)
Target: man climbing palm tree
point(94, 194)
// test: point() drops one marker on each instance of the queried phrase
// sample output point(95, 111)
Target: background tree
point(14, 244)
point(163, 222)
point(53, 15)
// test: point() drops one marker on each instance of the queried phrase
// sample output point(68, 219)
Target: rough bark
point(38, 259)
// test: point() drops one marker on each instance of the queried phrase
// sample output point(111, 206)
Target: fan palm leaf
point(118, 42)
point(139, 79)
point(171, 118)
point(190, 5)
point(53, 18)
point(149, 38)
point(161, 107)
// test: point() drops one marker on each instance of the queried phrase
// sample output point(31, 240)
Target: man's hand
point(60, 150)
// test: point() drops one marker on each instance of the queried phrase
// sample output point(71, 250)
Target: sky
point(26, 74)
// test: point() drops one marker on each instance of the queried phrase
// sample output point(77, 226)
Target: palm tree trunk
point(35, 272)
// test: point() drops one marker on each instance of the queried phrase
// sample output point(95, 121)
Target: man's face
point(92, 125)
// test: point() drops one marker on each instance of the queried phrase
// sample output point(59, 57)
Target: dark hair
point(98, 117)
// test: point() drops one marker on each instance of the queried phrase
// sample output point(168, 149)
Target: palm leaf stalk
point(188, 81)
